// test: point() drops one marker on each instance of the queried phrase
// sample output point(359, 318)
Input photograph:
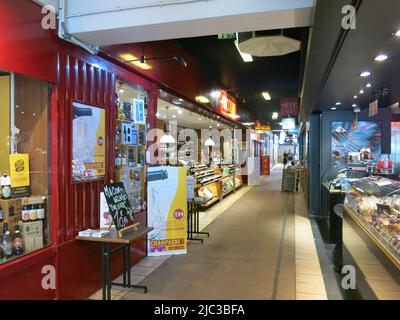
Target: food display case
point(374, 204)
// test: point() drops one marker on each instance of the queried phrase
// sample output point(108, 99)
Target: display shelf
point(386, 247)
point(209, 203)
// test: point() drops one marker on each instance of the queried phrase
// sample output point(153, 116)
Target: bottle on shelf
point(33, 212)
point(1, 215)
point(118, 159)
point(41, 212)
point(124, 160)
point(6, 241)
point(5, 186)
point(26, 217)
point(17, 242)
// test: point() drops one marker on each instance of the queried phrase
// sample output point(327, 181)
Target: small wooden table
point(194, 221)
point(107, 252)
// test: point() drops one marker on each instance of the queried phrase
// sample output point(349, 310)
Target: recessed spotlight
point(333, 108)
point(338, 103)
point(200, 119)
point(355, 97)
point(381, 57)
point(397, 33)
point(173, 116)
point(202, 99)
point(361, 91)
point(354, 105)
point(180, 111)
point(266, 96)
point(369, 85)
point(365, 74)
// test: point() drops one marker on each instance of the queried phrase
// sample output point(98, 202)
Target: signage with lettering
point(263, 128)
point(227, 106)
point(226, 35)
point(289, 107)
point(118, 203)
point(373, 108)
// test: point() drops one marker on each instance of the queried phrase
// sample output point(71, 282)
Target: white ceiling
point(104, 22)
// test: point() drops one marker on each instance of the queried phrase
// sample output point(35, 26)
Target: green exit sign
point(227, 35)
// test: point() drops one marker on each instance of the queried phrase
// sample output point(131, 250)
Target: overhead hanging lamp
point(167, 138)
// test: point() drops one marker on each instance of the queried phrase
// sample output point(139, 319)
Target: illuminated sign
point(227, 106)
point(289, 107)
point(263, 128)
point(289, 124)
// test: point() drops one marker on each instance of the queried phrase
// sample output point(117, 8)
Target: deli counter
point(374, 204)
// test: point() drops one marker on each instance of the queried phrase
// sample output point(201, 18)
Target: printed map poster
point(345, 140)
point(88, 142)
point(167, 211)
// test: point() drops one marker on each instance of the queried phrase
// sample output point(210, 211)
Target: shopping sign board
point(119, 206)
point(289, 107)
point(227, 106)
point(373, 108)
point(167, 211)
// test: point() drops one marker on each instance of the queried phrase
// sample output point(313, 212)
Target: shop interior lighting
point(167, 137)
point(275, 116)
point(365, 74)
point(216, 94)
point(338, 103)
point(245, 56)
point(202, 99)
point(355, 97)
point(354, 105)
point(361, 91)
point(397, 33)
point(180, 111)
point(381, 57)
point(333, 108)
point(369, 85)
point(266, 95)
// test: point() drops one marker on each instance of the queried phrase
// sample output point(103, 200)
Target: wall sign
point(289, 107)
point(119, 206)
point(373, 108)
point(88, 142)
point(138, 111)
point(19, 174)
point(289, 124)
point(227, 106)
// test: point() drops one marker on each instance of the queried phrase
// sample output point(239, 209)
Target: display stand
point(124, 243)
point(194, 222)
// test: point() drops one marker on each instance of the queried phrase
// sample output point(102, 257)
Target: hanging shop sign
point(373, 108)
point(19, 175)
point(289, 107)
point(227, 106)
point(88, 142)
point(263, 128)
point(289, 124)
point(119, 206)
point(138, 111)
point(167, 211)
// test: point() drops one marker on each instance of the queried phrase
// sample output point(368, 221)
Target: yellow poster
point(19, 174)
point(89, 149)
point(167, 210)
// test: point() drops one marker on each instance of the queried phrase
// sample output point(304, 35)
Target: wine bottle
point(17, 242)
point(6, 241)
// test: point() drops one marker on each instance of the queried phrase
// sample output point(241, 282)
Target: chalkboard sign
point(118, 203)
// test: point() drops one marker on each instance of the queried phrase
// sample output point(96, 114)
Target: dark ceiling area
point(328, 83)
point(280, 76)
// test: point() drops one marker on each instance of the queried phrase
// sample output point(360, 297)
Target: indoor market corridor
point(250, 254)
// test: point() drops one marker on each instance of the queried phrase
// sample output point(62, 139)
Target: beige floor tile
point(307, 296)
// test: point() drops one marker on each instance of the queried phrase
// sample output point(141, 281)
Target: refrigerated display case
point(374, 204)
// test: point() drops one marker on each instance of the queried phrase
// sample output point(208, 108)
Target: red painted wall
point(27, 49)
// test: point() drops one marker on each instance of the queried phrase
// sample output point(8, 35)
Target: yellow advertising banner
point(19, 174)
point(167, 211)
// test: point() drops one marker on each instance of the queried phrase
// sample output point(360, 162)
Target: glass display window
point(25, 195)
point(131, 141)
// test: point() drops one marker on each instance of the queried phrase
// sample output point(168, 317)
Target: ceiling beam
point(102, 22)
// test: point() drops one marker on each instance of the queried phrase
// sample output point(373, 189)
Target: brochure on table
point(167, 211)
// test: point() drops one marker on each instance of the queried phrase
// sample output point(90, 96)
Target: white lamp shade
point(209, 143)
point(167, 138)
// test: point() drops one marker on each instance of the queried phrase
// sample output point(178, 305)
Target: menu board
point(118, 203)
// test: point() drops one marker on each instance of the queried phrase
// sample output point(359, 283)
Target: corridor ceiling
point(280, 75)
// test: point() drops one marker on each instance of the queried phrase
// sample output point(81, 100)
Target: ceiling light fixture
point(354, 105)
point(338, 103)
point(266, 96)
point(361, 91)
point(245, 56)
point(333, 108)
point(202, 99)
point(177, 58)
point(397, 33)
point(381, 57)
point(216, 94)
point(209, 142)
point(369, 85)
point(355, 97)
point(365, 74)
point(275, 116)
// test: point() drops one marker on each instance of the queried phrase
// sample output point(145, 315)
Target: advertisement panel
point(289, 107)
point(88, 142)
point(167, 211)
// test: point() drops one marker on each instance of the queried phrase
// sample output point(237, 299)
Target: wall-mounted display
point(346, 141)
point(88, 142)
